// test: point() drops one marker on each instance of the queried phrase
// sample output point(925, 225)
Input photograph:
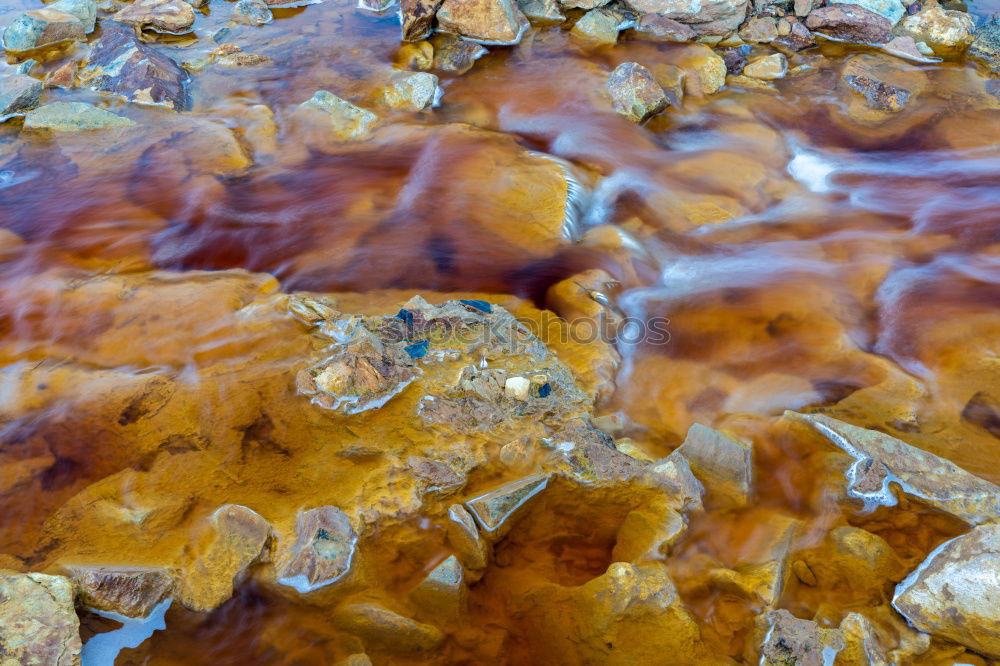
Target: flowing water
point(805, 253)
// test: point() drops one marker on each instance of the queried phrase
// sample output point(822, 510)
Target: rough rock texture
point(416, 18)
point(986, 44)
point(128, 591)
point(798, 38)
point(38, 624)
point(851, 23)
point(122, 65)
point(635, 93)
point(483, 21)
point(881, 460)
point(84, 10)
point(443, 594)
point(173, 17)
point(947, 32)
point(323, 550)
point(723, 465)
point(72, 117)
point(542, 11)
point(714, 17)
point(346, 120)
point(892, 10)
point(598, 27)
point(42, 27)
point(705, 70)
point(18, 93)
point(788, 640)
point(412, 91)
point(661, 28)
point(955, 593)
point(455, 55)
point(252, 12)
point(759, 29)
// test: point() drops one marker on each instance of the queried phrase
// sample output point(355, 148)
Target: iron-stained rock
point(42, 27)
point(598, 27)
point(947, 32)
point(483, 21)
point(443, 594)
point(661, 28)
point(890, 9)
point(955, 592)
point(635, 93)
point(417, 18)
point(172, 17)
point(389, 630)
point(128, 591)
point(72, 117)
point(986, 44)
point(495, 510)
point(323, 550)
point(38, 623)
point(412, 91)
point(850, 23)
point(788, 640)
point(880, 459)
point(252, 12)
point(346, 120)
point(455, 55)
point(18, 93)
point(122, 65)
point(712, 17)
point(723, 465)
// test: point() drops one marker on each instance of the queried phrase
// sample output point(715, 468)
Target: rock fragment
point(84, 10)
point(483, 21)
point(635, 93)
point(443, 594)
point(947, 32)
point(128, 591)
point(122, 65)
point(464, 537)
point(712, 17)
point(661, 28)
point(235, 537)
point(389, 630)
point(72, 117)
point(798, 38)
point(598, 27)
point(42, 27)
point(705, 71)
point(788, 640)
point(955, 592)
point(252, 12)
point(18, 93)
point(346, 120)
point(890, 9)
point(880, 459)
point(435, 476)
point(412, 91)
point(760, 30)
point(541, 11)
point(767, 68)
point(723, 465)
point(323, 550)
point(455, 55)
point(496, 510)
point(416, 18)
point(38, 623)
point(850, 23)
point(172, 17)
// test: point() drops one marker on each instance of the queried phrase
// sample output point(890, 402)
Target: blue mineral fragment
point(417, 349)
point(544, 390)
point(406, 316)
point(482, 306)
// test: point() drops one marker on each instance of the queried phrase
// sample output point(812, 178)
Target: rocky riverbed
point(500, 332)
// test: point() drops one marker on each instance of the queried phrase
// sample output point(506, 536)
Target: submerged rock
point(122, 65)
point(850, 23)
point(483, 21)
point(416, 18)
point(346, 120)
point(252, 12)
point(455, 55)
point(172, 17)
point(42, 27)
point(443, 594)
point(955, 592)
point(946, 32)
point(323, 550)
point(598, 27)
point(38, 623)
point(387, 629)
point(18, 93)
point(72, 117)
point(705, 71)
point(723, 465)
point(712, 17)
point(880, 460)
point(128, 591)
point(495, 510)
point(768, 68)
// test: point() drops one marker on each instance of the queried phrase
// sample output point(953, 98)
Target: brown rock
point(436, 476)
point(455, 55)
point(760, 30)
point(851, 23)
point(391, 631)
point(583, 4)
point(417, 18)
point(705, 70)
point(122, 65)
point(947, 32)
point(174, 17)
point(712, 17)
point(635, 93)
point(955, 593)
point(768, 67)
point(323, 550)
point(42, 27)
point(443, 594)
point(128, 591)
point(788, 640)
point(798, 38)
point(723, 465)
point(598, 27)
point(661, 28)
point(542, 11)
point(38, 624)
point(484, 21)
point(496, 510)
point(671, 79)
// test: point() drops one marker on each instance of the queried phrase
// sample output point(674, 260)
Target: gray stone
point(72, 117)
point(955, 592)
point(711, 17)
point(252, 12)
point(890, 9)
point(850, 23)
point(661, 28)
point(18, 93)
point(723, 465)
point(38, 623)
point(42, 27)
point(84, 10)
point(598, 27)
point(985, 46)
point(541, 11)
point(495, 510)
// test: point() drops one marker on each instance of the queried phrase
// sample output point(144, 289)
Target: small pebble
point(517, 388)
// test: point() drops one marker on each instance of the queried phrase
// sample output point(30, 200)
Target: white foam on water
point(811, 169)
point(103, 649)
